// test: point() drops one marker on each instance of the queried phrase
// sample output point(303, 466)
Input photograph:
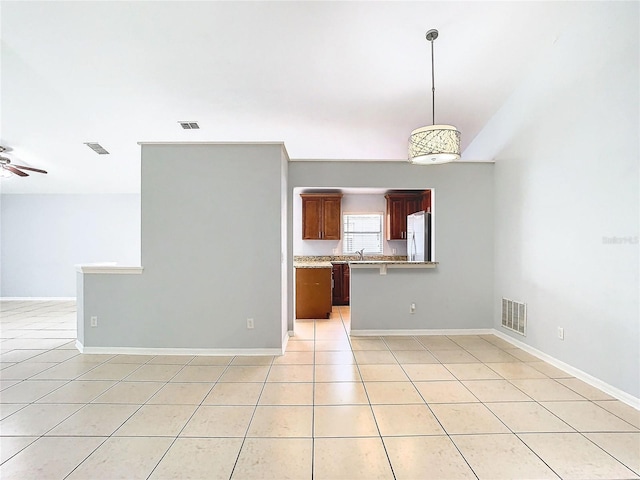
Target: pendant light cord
point(433, 88)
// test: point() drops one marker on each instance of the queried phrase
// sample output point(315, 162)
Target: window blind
point(362, 231)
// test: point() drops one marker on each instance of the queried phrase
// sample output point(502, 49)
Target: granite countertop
point(311, 264)
point(349, 258)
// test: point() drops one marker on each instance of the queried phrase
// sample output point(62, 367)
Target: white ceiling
point(332, 80)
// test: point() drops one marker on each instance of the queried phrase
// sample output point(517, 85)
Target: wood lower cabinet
point(401, 204)
point(313, 292)
point(321, 216)
point(341, 283)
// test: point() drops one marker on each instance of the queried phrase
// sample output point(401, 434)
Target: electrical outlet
point(412, 308)
point(561, 333)
point(94, 321)
point(249, 323)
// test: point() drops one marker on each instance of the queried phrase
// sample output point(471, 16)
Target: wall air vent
point(189, 125)
point(514, 316)
point(96, 147)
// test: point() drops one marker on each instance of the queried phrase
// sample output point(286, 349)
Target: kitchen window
point(362, 230)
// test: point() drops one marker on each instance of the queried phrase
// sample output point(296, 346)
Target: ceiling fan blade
point(22, 167)
point(16, 171)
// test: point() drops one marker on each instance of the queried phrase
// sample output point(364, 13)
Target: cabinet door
point(311, 218)
point(426, 201)
point(346, 283)
point(413, 205)
point(396, 218)
point(337, 284)
point(331, 218)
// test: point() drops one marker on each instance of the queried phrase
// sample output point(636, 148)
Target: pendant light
point(434, 144)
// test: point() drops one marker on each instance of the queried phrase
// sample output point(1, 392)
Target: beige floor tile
point(234, 394)
point(408, 357)
point(344, 421)
point(65, 371)
point(304, 330)
point(156, 420)
point(22, 371)
point(181, 394)
point(426, 458)
point(622, 410)
point(403, 343)
point(110, 371)
point(278, 421)
point(9, 446)
point(364, 357)
point(340, 393)
point(495, 457)
point(287, 394)
point(334, 358)
point(29, 390)
point(300, 346)
point(588, 417)
point(528, 417)
point(522, 355)
point(337, 373)
point(549, 370)
point(199, 373)
point(584, 389)
point(49, 458)
point(295, 358)
point(125, 358)
point(172, 359)
point(290, 373)
point(275, 459)
point(332, 345)
point(472, 371)
point(78, 391)
point(425, 372)
point(36, 419)
point(331, 333)
point(497, 341)
point(198, 458)
point(123, 458)
point(470, 342)
point(494, 355)
point(383, 373)
point(393, 393)
point(573, 456)
point(4, 384)
point(135, 393)
point(95, 358)
point(454, 356)
point(437, 342)
point(154, 373)
point(95, 420)
point(252, 360)
point(350, 459)
point(495, 391)
point(16, 356)
point(219, 421)
point(245, 374)
point(624, 447)
point(445, 392)
point(368, 343)
point(511, 370)
point(402, 420)
point(467, 418)
point(545, 389)
point(7, 409)
point(221, 360)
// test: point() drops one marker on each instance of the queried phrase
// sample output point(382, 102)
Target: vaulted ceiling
point(332, 80)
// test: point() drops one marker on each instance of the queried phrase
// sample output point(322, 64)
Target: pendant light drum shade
point(434, 144)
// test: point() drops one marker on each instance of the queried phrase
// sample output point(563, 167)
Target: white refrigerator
point(419, 237)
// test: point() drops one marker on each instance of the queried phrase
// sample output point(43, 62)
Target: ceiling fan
point(6, 168)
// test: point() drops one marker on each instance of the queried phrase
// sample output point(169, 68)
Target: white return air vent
point(96, 147)
point(514, 316)
point(189, 125)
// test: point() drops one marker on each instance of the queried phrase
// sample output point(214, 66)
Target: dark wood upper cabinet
point(321, 216)
point(401, 204)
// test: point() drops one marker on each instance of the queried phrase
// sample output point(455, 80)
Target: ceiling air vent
point(189, 125)
point(96, 147)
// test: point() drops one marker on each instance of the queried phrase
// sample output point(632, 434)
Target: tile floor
point(332, 407)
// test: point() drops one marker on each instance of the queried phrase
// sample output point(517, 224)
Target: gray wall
point(44, 236)
point(566, 181)
point(212, 243)
point(458, 294)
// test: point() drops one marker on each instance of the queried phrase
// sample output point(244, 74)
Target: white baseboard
point(38, 299)
point(178, 351)
point(579, 374)
point(426, 331)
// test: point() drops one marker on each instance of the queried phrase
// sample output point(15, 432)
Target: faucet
point(360, 254)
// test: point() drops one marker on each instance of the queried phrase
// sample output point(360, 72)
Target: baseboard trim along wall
point(213, 352)
point(37, 299)
point(579, 374)
point(441, 331)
